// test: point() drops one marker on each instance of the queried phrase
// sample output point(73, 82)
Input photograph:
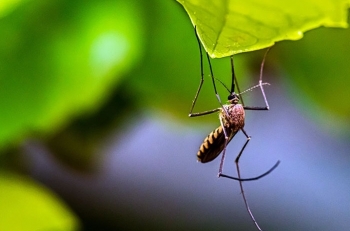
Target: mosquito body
point(233, 121)
point(231, 118)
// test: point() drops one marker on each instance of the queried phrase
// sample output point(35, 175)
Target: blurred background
point(95, 133)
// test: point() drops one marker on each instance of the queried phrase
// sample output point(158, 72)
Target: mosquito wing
point(213, 144)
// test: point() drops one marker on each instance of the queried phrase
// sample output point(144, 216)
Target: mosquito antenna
point(239, 91)
point(222, 83)
point(253, 87)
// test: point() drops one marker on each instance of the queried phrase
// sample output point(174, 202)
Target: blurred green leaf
point(319, 75)
point(60, 58)
point(7, 5)
point(227, 27)
point(27, 206)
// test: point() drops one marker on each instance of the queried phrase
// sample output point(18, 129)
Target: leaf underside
point(228, 27)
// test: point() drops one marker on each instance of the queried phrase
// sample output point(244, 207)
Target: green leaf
point(228, 27)
point(7, 5)
point(28, 206)
point(59, 59)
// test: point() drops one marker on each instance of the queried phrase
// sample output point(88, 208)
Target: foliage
point(28, 206)
point(61, 62)
point(228, 27)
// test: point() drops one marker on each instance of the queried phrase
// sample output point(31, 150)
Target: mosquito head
point(233, 98)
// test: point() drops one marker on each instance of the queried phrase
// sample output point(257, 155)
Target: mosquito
point(231, 118)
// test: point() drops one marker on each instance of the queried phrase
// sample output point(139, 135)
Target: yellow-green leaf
point(228, 27)
point(28, 206)
point(7, 5)
point(60, 59)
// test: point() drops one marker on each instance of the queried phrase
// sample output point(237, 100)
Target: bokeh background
point(95, 134)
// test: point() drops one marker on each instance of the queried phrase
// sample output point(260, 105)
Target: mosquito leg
point(240, 182)
point(192, 114)
point(214, 85)
point(202, 75)
point(224, 151)
point(245, 199)
point(252, 178)
point(240, 179)
point(223, 160)
point(204, 112)
point(238, 171)
point(267, 107)
point(234, 82)
point(240, 153)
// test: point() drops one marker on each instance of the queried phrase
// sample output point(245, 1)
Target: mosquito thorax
point(233, 98)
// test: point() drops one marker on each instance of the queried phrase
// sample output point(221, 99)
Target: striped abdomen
point(213, 144)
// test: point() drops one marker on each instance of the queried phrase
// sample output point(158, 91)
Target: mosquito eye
point(232, 96)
